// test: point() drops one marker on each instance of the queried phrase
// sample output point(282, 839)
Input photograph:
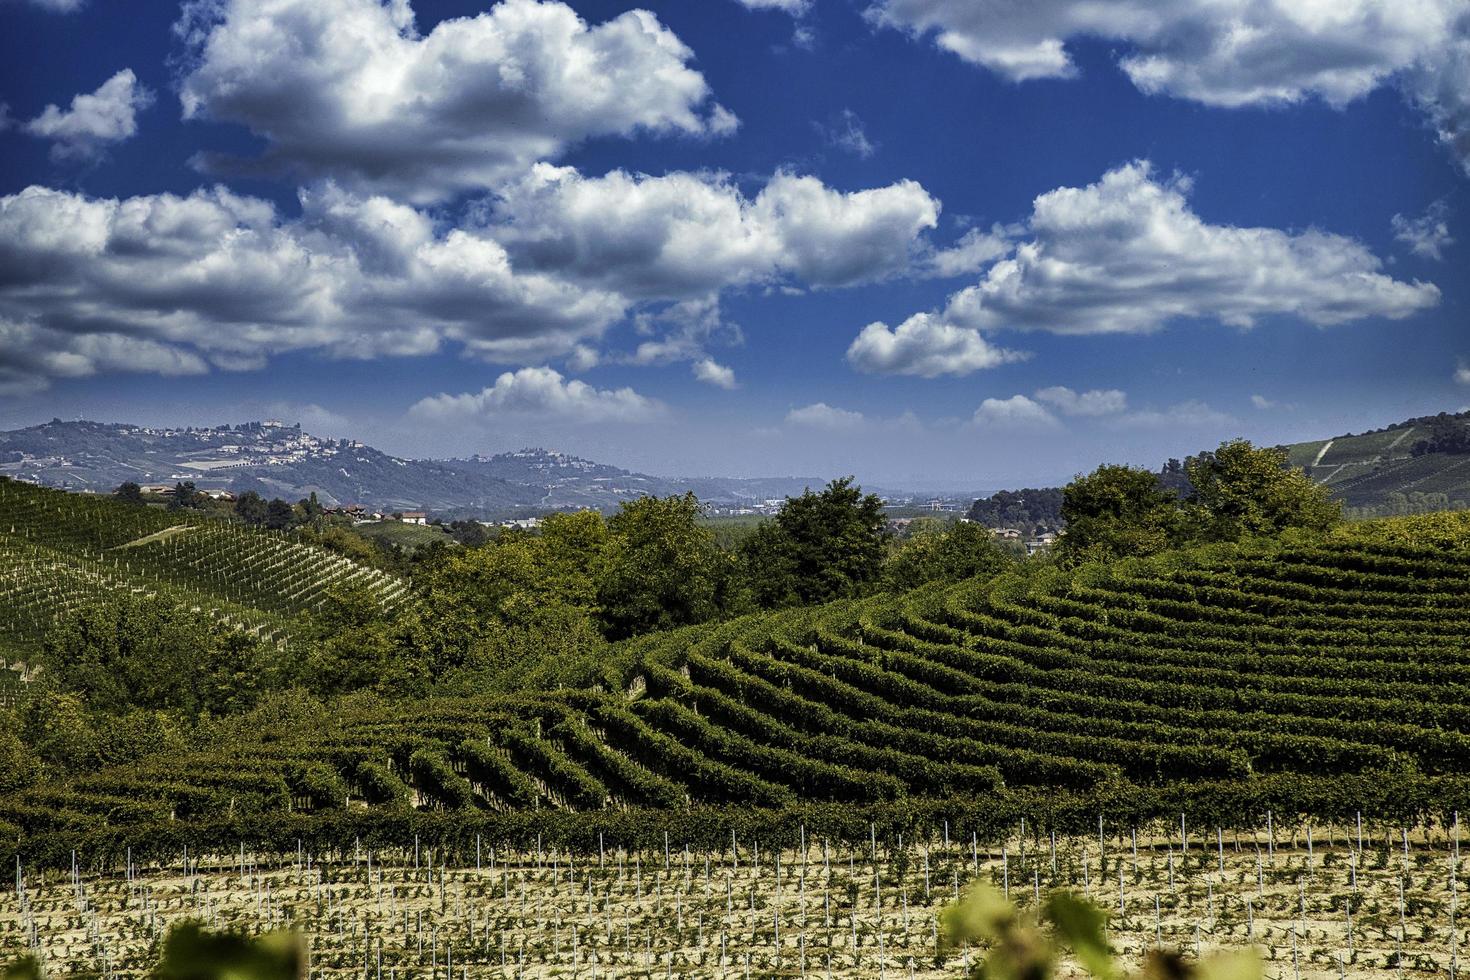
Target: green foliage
point(137, 652)
point(660, 568)
point(967, 550)
point(1114, 512)
point(192, 952)
point(129, 493)
point(1243, 491)
point(1238, 491)
point(821, 546)
point(19, 766)
point(1025, 948)
point(251, 508)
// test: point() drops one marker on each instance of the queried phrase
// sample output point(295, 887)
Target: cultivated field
point(1315, 906)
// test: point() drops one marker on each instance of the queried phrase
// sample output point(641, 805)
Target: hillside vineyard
point(1325, 678)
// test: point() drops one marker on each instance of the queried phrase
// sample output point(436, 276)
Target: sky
point(932, 243)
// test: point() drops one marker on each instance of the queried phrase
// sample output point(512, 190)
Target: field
point(1376, 473)
point(407, 536)
point(1318, 901)
point(60, 550)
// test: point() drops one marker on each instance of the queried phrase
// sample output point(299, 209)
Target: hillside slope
point(1379, 472)
point(59, 550)
point(1222, 680)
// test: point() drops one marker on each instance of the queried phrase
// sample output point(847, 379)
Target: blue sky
point(923, 241)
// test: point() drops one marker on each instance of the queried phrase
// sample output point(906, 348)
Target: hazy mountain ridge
point(279, 460)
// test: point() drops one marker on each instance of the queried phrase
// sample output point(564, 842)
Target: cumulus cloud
point(1427, 235)
point(1015, 412)
point(973, 252)
point(927, 347)
point(1087, 403)
point(541, 393)
point(228, 279)
point(1225, 53)
point(823, 416)
point(31, 356)
point(95, 120)
point(1462, 373)
point(349, 89)
point(1127, 255)
point(684, 235)
point(58, 6)
point(711, 372)
point(1262, 402)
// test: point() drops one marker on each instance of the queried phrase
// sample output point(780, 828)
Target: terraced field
point(60, 550)
point(1327, 677)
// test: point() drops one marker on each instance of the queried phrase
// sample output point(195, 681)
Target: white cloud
point(541, 393)
point(1127, 255)
point(1189, 414)
point(1089, 403)
point(1226, 52)
point(1262, 402)
point(583, 358)
point(31, 356)
point(1462, 374)
point(976, 250)
point(793, 7)
point(1015, 412)
point(59, 6)
point(225, 277)
point(925, 346)
point(712, 372)
point(686, 235)
point(1427, 235)
point(349, 89)
point(823, 416)
point(847, 133)
point(95, 120)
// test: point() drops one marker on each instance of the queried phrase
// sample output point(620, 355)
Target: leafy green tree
point(660, 569)
point(1243, 491)
point(964, 551)
point(192, 952)
point(279, 515)
point(186, 496)
point(68, 736)
point(353, 644)
point(146, 652)
point(251, 508)
point(129, 493)
point(517, 602)
point(1116, 512)
point(821, 546)
point(19, 766)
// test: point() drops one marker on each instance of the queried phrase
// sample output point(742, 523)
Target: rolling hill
point(1380, 473)
point(59, 550)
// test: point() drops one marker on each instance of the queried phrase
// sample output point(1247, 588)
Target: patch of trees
point(1029, 511)
point(1447, 434)
point(1235, 492)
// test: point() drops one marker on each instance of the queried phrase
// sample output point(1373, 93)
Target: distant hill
point(1412, 466)
point(279, 460)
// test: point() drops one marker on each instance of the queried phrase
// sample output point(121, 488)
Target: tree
point(353, 644)
point(964, 551)
point(821, 546)
point(1116, 512)
point(660, 569)
point(251, 508)
point(279, 515)
point(1244, 491)
point(186, 496)
point(144, 652)
point(129, 493)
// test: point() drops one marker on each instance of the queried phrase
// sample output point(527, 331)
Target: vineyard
point(1320, 680)
point(1237, 669)
point(1320, 901)
point(61, 550)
